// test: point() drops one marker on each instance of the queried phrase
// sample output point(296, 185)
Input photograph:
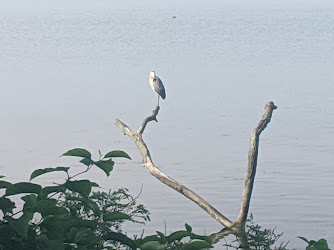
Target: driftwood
point(230, 227)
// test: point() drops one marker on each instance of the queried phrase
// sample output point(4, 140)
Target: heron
point(157, 85)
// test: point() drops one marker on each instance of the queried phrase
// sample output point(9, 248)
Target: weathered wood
point(152, 117)
point(252, 161)
point(149, 165)
point(221, 234)
point(236, 227)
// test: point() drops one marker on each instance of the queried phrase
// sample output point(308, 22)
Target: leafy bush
point(259, 238)
point(183, 239)
point(315, 245)
point(71, 216)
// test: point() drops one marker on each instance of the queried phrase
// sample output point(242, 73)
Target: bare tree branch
point(237, 227)
point(221, 234)
point(148, 163)
point(252, 161)
point(241, 236)
point(152, 117)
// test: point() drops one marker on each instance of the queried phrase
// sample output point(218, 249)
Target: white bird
point(157, 85)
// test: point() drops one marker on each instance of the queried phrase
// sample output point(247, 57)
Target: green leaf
point(117, 153)
point(73, 211)
point(201, 237)
point(303, 238)
point(53, 244)
point(56, 227)
point(49, 207)
point(83, 187)
point(23, 187)
point(322, 243)
point(80, 223)
point(196, 245)
point(48, 190)
point(106, 166)
point(112, 216)
point(73, 233)
point(318, 245)
point(1, 176)
point(148, 238)
point(6, 205)
point(5, 184)
point(39, 172)
point(94, 207)
point(152, 245)
point(123, 239)
point(88, 203)
point(177, 236)
point(30, 201)
point(21, 224)
point(162, 237)
point(189, 229)
point(87, 239)
point(87, 161)
point(42, 242)
point(42, 206)
point(80, 152)
point(312, 242)
point(94, 184)
point(81, 234)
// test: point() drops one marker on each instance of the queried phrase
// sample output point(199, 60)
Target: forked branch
point(251, 170)
point(148, 163)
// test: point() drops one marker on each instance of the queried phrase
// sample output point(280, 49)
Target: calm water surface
point(67, 70)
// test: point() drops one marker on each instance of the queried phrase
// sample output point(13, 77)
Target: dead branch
point(152, 117)
point(221, 234)
point(148, 163)
point(241, 237)
point(252, 160)
point(237, 227)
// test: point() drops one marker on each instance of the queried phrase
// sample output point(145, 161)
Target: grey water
point(69, 68)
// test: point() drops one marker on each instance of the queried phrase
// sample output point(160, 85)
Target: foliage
point(71, 216)
point(109, 210)
point(258, 238)
point(315, 245)
point(183, 239)
point(262, 239)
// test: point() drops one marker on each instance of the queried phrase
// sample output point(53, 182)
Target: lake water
point(68, 69)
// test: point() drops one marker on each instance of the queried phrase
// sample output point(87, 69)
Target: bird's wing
point(159, 87)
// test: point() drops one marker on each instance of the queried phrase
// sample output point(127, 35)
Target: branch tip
point(271, 104)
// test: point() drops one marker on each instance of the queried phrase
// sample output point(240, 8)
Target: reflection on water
point(68, 71)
